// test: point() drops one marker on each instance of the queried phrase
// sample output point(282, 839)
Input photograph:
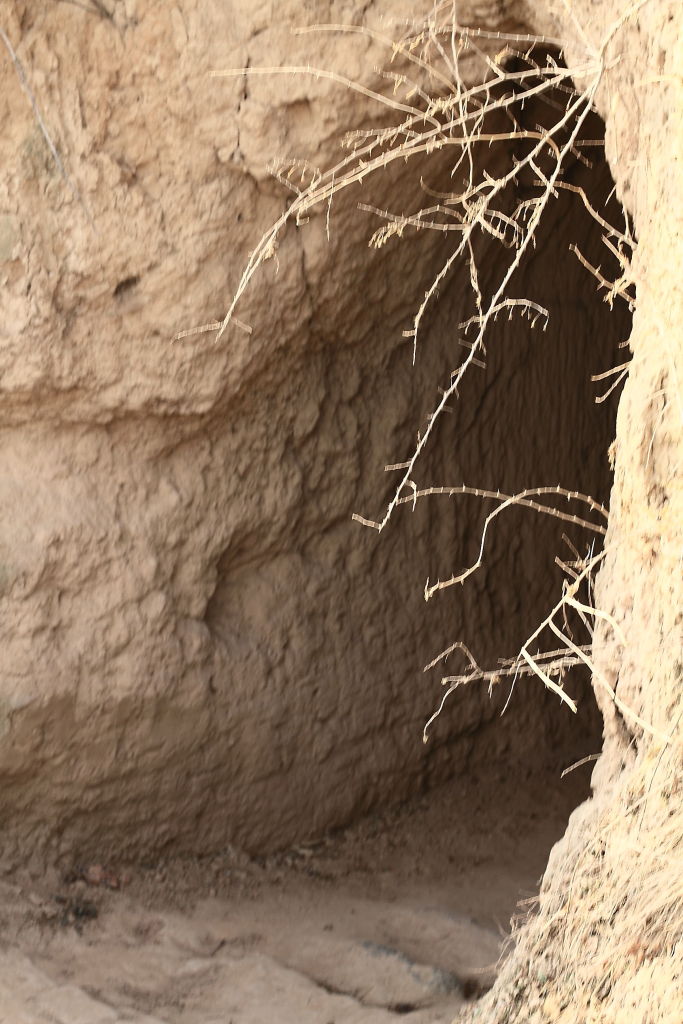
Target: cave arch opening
point(539, 410)
point(536, 411)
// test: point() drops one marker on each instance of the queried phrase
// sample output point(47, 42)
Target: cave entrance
point(415, 856)
point(329, 865)
point(310, 596)
point(431, 879)
point(537, 410)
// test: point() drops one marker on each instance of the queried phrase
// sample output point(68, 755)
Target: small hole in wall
point(126, 285)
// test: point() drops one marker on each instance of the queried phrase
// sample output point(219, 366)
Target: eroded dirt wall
point(197, 644)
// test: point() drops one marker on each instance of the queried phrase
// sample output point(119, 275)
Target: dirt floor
point(402, 915)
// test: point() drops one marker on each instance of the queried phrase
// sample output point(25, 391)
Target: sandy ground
point(402, 915)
